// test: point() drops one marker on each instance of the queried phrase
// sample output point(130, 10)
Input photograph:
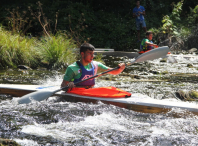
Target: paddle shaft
point(42, 94)
point(98, 75)
point(153, 54)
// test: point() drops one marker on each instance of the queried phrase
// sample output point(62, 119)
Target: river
point(57, 122)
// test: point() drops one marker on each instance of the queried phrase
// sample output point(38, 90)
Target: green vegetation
point(51, 51)
point(193, 94)
point(57, 51)
point(177, 25)
point(59, 26)
point(16, 49)
point(105, 24)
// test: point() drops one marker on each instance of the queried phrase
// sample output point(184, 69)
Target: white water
point(56, 122)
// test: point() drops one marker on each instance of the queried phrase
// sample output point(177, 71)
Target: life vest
point(145, 47)
point(102, 92)
point(85, 74)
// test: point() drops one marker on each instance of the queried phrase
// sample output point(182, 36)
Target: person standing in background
point(139, 12)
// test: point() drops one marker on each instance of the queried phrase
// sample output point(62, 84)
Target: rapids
point(57, 122)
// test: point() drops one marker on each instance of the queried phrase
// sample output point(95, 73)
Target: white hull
point(137, 102)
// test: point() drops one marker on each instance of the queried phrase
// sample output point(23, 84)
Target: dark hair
point(148, 33)
point(86, 46)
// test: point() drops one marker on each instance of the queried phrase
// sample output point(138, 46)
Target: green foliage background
point(104, 23)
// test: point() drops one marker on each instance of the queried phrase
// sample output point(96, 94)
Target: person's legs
point(144, 29)
point(144, 25)
point(138, 35)
point(138, 30)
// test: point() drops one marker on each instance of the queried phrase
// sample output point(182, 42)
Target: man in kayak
point(85, 68)
point(139, 12)
point(147, 43)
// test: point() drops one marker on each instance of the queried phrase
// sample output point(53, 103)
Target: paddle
point(44, 94)
point(169, 57)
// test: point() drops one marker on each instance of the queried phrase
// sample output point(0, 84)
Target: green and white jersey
point(144, 46)
point(73, 71)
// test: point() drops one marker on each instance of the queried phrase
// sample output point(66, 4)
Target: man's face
point(87, 56)
point(138, 3)
point(150, 36)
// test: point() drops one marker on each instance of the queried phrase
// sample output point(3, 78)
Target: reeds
point(58, 50)
point(16, 50)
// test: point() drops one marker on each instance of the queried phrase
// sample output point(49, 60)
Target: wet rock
point(144, 73)
point(192, 50)
point(181, 95)
point(174, 43)
point(193, 94)
point(187, 95)
point(163, 60)
point(7, 142)
point(154, 72)
point(5, 96)
point(164, 72)
point(136, 77)
point(189, 65)
point(23, 67)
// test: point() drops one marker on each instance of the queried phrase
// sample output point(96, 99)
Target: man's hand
point(155, 45)
point(66, 83)
point(122, 66)
point(71, 85)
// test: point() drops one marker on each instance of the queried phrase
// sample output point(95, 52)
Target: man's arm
point(143, 13)
point(134, 14)
point(151, 44)
point(103, 68)
point(69, 74)
point(67, 83)
point(119, 70)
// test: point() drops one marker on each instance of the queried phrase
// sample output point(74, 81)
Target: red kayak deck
point(104, 92)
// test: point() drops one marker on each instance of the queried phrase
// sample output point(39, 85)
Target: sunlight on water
point(108, 125)
point(180, 67)
point(57, 122)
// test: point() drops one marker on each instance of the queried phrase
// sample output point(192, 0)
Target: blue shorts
point(138, 23)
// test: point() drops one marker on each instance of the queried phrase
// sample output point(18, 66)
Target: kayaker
point(147, 43)
point(85, 68)
point(138, 13)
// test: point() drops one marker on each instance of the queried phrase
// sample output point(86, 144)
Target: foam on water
point(64, 123)
point(120, 128)
point(100, 124)
point(26, 142)
point(180, 67)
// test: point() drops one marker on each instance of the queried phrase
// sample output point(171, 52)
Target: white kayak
point(137, 102)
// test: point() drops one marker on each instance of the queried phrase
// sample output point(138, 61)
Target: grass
point(55, 51)
point(15, 49)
